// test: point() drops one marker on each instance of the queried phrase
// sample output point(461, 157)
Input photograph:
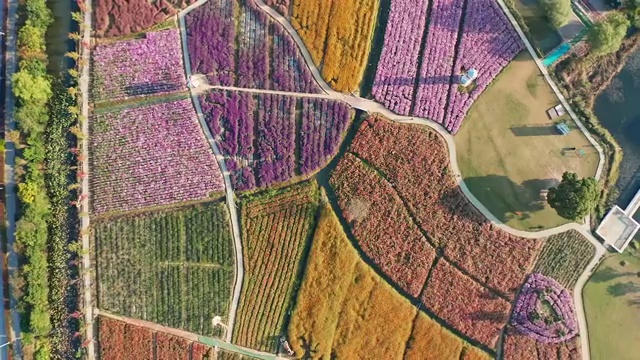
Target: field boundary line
point(230, 195)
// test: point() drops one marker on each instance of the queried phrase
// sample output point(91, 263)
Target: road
point(84, 205)
point(230, 195)
point(9, 174)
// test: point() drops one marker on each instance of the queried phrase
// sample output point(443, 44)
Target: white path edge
point(230, 195)
point(84, 205)
point(373, 107)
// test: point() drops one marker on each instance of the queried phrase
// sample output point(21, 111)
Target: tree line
point(45, 116)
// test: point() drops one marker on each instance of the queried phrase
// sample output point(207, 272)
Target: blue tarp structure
point(562, 128)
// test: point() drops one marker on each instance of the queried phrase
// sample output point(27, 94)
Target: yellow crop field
point(338, 34)
point(344, 308)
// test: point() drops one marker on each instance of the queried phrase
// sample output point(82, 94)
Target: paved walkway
point(84, 207)
point(230, 195)
point(9, 176)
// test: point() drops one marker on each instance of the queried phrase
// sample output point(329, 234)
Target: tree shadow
point(634, 302)
point(150, 88)
point(495, 317)
point(608, 274)
point(622, 289)
point(507, 200)
point(534, 130)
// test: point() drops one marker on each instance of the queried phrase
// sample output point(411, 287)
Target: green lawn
point(508, 150)
point(612, 304)
point(545, 36)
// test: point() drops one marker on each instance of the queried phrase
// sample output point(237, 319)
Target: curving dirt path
point(373, 107)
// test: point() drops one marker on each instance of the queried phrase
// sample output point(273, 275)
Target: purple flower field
point(544, 311)
point(257, 53)
point(138, 67)
point(479, 36)
point(398, 65)
point(258, 134)
point(150, 155)
point(437, 62)
point(488, 44)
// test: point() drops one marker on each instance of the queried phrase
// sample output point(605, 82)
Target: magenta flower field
point(260, 135)
point(138, 67)
point(148, 156)
point(459, 34)
point(544, 311)
point(234, 43)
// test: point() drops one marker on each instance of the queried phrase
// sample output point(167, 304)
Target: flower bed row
point(484, 40)
point(338, 35)
point(437, 69)
point(398, 66)
point(273, 243)
point(150, 155)
point(119, 340)
point(138, 67)
point(234, 43)
point(489, 42)
point(564, 257)
point(381, 224)
point(416, 161)
point(258, 134)
point(117, 18)
point(544, 311)
point(465, 304)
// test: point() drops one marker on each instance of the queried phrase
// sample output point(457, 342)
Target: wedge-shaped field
point(381, 224)
point(564, 257)
point(465, 304)
point(118, 17)
point(517, 346)
point(119, 340)
point(345, 310)
point(173, 267)
point(235, 43)
point(275, 231)
point(148, 156)
point(338, 35)
point(269, 139)
point(415, 160)
point(419, 71)
point(137, 67)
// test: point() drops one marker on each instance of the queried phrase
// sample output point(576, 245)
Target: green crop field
point(275, 230)
point(564, 257)
point(174, 267)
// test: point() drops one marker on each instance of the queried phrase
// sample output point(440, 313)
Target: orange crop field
point(345, 310)
point(338, 35)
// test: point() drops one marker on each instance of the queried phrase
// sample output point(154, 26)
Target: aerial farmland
point(306, 179)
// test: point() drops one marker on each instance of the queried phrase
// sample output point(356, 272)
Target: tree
point(574, 198)
point(606, 36)
point(31, 88)
point(557, 11)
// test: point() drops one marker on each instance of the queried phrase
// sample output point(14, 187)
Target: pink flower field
point(148, 156)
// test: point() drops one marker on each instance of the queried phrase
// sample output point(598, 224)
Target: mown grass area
point(508, 149)
point(612, 305)
point(544, 35)
point(345, 310)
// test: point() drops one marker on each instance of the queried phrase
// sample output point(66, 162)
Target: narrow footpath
point(230, 195)
point(84, 206)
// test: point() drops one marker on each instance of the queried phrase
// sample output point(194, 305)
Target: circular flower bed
point(544, 311)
